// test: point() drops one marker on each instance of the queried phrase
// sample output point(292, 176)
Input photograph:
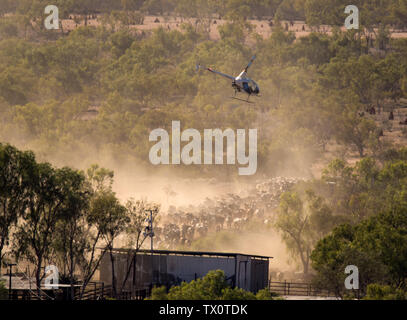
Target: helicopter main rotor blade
point(250, 63)
point(221, 74)
point(199, 67)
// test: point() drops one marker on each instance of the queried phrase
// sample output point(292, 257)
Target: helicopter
point(241, 83)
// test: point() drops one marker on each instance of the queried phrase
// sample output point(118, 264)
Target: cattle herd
point(180, 226)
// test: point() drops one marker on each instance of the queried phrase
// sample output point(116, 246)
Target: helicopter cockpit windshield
point(254, 88)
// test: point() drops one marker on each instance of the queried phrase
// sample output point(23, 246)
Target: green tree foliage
point(377, 246)
point(317, 86)
point(316, 91)
point(137, 212)
point(63, 216)
point(106, 219)
point(331, 12)
point(315, 12)
point(365, 189)
point(70, 238)
point(303, 224)
point(14, 185)
point(48, 189)
point(290, 10)
point(110, 217)
point(383, 292)
point(213, 286)
point(364, 205)
point(3, 291)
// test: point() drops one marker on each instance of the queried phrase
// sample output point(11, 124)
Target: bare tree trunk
point(1, 253)
point(132, 264)
point(134, 285)
point(90, 270)
point(361, 151)
point(71, 272)
point(38, 277)
point(112, 260)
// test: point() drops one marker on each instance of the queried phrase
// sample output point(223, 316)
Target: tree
point(355, 193)
point(53, 83)
point(355, 130)
point(319, 12)
point(14, 168)
point(46, 195)
point(212, 286)
point(86, 7)
point(121, 41)
point(70, 239)
point(14, 84)
point(399, 13)
point(303, 224)
point(101, 181)
point(3, 291)
point(290, 10)
point(186, 9)
point(156, 6)
point(137, 212)
point(383, 292)
point(110, 218)
point(331, 256)
point(294, 224)
point(377, 246)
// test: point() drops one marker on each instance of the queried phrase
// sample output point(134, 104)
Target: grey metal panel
point(104, 270)
point(188, 268)
point(259, 274)
point(243, 272)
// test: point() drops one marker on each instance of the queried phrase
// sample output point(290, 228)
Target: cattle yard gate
point(298, 289)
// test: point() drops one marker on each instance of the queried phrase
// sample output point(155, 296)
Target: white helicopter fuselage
point(240, 83)
point(243, 83)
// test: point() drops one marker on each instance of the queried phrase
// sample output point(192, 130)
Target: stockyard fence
point(99, 291)
point(93, 291)
point(298, 289)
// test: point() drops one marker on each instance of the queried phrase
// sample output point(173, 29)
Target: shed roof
point(193, 253)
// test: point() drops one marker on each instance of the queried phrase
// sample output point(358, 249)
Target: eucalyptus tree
point(14, 169)
point(70, 239)
point(106, 219)
point(302, 222)
point(46, 194)
point(138, 213)
point(110, 218)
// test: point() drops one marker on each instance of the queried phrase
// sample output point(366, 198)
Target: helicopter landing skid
point(242, 100)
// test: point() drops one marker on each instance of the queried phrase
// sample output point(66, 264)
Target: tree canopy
point(212, 286)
